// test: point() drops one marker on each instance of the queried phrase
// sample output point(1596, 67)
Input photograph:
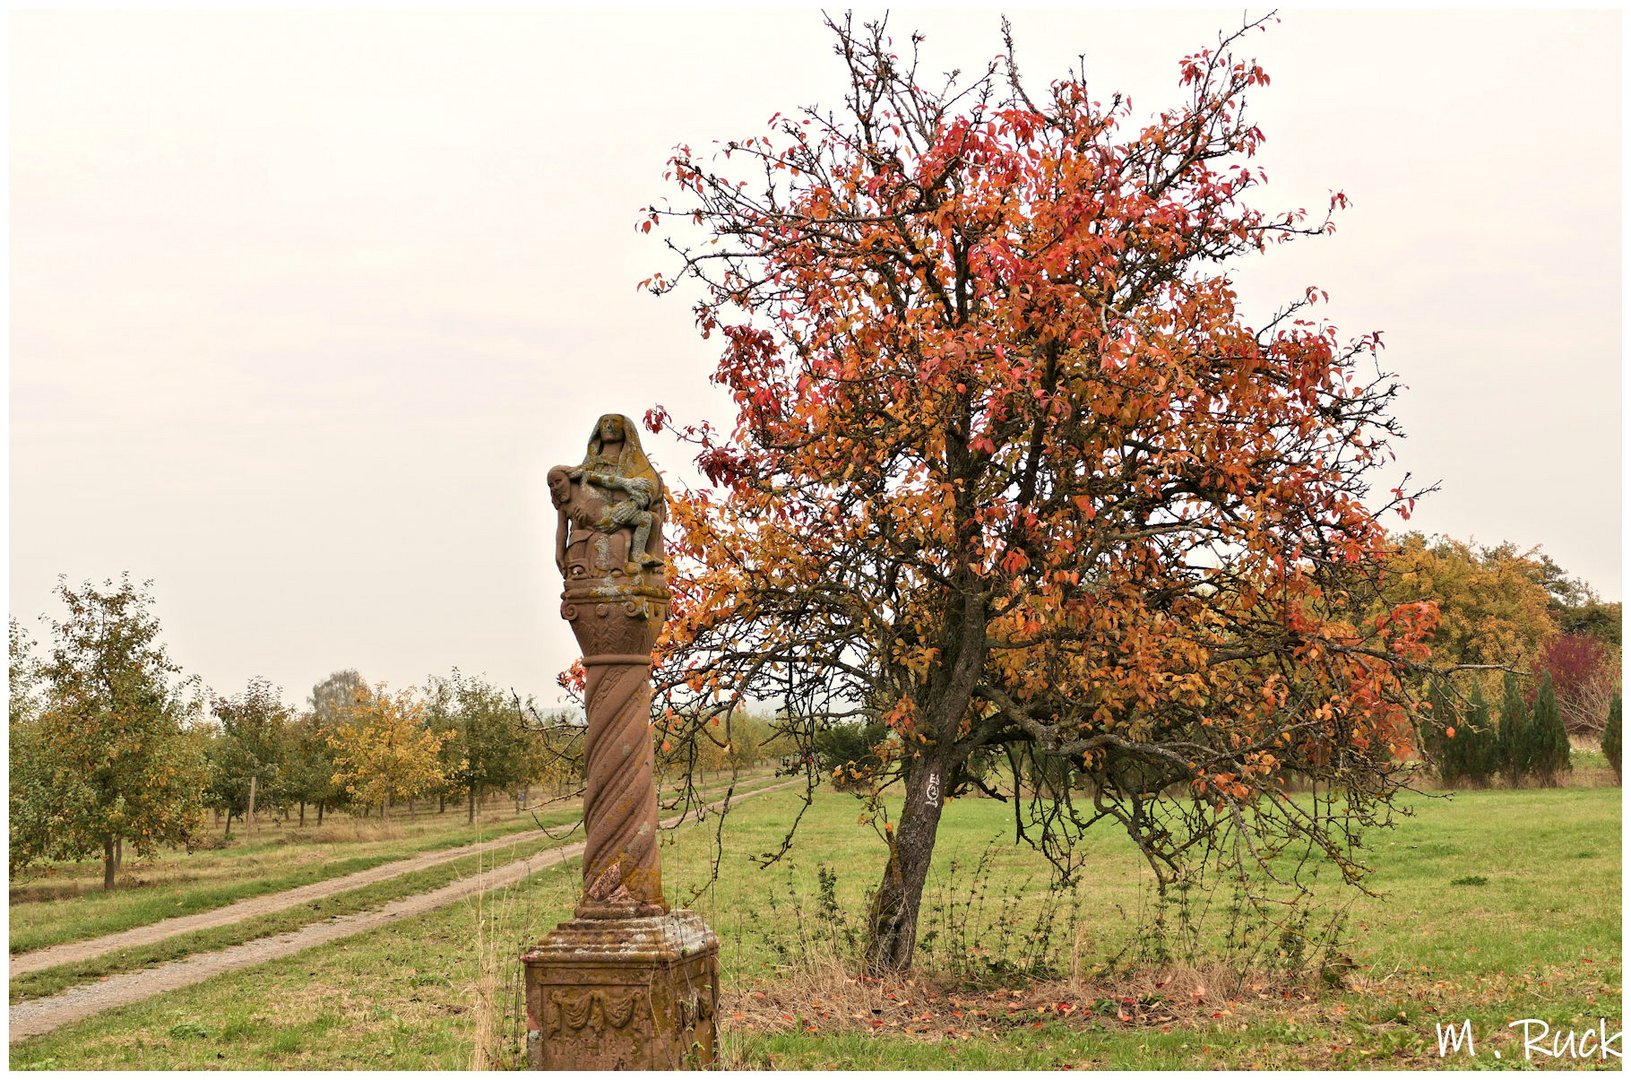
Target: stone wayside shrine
point(627, 983)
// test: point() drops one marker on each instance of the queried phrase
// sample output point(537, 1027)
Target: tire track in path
point(41, 1015)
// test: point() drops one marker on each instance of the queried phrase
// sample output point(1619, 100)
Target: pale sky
point(304, 305)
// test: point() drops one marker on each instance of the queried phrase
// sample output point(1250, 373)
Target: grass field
point(1497, 905)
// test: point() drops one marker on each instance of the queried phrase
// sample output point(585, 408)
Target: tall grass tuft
point(484, 1050)
point(507, 921)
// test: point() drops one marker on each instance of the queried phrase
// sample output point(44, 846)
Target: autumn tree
point(1586, 674)
point(1495, 610)
point(309, 767)
point(116, 763)
point(312, 766)
point(383, 750)
point(1012, 469)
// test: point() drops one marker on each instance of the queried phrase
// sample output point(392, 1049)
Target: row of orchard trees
point(111, 747)
point(369, 748)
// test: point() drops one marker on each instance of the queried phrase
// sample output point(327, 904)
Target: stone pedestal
point(623, 993)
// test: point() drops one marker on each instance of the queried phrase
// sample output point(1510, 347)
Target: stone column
point(627, 983)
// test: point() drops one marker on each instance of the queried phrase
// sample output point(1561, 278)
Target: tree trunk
point(228, 834)
point(118, 855)
point(441, 803)
point(107, 863)
point(892, 936)
point(302, 813)
point(470, 815)
point(320, 804)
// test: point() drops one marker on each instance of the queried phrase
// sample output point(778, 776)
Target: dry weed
point(828, 998)
point(506, 920)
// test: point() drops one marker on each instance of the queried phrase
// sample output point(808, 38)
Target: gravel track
point(47, 1014)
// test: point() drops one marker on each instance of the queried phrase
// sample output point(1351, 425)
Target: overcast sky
point(304, 305)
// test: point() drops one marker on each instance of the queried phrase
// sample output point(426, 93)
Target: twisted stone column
point(622, 874)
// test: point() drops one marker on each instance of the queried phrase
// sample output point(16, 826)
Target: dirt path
point(72, 952)
point(47, 1014)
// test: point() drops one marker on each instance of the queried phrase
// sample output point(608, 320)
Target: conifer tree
point(1545, 738)
point(1511, 747)
point(1611, 736)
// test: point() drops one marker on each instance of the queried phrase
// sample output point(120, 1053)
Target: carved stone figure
point(630, 498)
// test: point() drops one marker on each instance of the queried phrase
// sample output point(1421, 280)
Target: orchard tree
point(384, 751)
point(1011, 469)
point(312, 765)
point(252, 754)
point(309, 768)
point(28, 768)
point(23, 675)
point(116, 760)
point(488, 746)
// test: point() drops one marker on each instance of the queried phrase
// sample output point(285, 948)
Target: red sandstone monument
point(627, 983)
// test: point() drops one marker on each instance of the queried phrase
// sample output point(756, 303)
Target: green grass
point(1540, 938)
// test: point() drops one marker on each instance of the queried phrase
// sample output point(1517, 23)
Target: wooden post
point(249, 819)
